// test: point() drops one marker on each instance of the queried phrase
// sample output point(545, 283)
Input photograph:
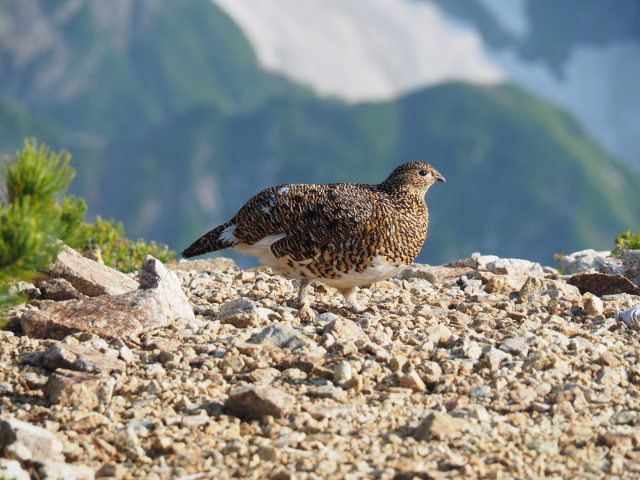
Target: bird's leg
point(351, 299)
point(305, 312)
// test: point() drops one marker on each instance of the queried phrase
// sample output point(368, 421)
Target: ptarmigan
point(342, 234)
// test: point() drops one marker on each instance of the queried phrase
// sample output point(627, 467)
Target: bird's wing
point(309, 216)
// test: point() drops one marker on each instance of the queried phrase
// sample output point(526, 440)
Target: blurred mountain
point(174, 124)
point(582, 55)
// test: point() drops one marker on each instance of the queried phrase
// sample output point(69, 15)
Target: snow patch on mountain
point(362, 49)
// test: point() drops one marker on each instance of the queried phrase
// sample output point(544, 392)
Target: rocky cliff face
point(484, 367)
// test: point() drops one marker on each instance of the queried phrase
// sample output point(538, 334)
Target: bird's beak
point(440, 178)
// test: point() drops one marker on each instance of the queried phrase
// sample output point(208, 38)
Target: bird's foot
point(305, 313)
point(351, 300)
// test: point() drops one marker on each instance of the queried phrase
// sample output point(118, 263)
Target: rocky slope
point(484, 368)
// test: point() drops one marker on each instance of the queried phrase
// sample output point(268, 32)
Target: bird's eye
point(422, 173)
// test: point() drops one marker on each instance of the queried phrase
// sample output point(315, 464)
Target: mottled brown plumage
point(342, 234)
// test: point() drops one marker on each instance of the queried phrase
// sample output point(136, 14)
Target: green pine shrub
point(35, 213)
point(626, 241)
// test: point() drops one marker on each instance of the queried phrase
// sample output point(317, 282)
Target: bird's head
point(412, 177)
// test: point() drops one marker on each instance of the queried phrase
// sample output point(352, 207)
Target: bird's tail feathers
point(219, 238)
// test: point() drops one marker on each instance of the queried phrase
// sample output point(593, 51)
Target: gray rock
point(627, 264)
point(28, 442)
point(243, 313)
point(432, 372)
point(69, 388)
point(435, 274)
point(155, 277)
point(51, 470)
point(80, 357)
point(514, 266)
point(549, 447)
point(343, 372)
point(58, 289)
point(515, 346)
point(439, 426)
point(495, 357)
point(592, 305)
point(413, 381)
point(12, 470)
point(544, 286)
point(439, 334)
point(256, 402)
point(282, 335)
point(343, 329)
point(35, 380)
point(477, 261)
point(87, 276)
point(583, 261)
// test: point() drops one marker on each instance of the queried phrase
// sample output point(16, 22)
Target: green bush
point(119, 252)
point(35, 213)
point(626, 241)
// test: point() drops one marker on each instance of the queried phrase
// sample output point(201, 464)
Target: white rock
point(154, 276)
point(88, 276)
point(515, 266)
point(342, 372)
point(592, 304)
point(11, 469)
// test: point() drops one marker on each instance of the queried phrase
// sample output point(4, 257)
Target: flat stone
point(87, 276)
point(435, 274)
point(243, 313)
point(35, 380)
point(28, 442)
point(256, 402)
point(603, 284)
point(69, 388)
point(111, 316)
point(342, 329)
point(327, 391)
point(477, 261)
point(515, 346)
point(80, 357)
point(549, 447)
point(515, 266)
point(51, 470)
point(413, 381)
point(439, 426)
point(495, 357)
point(155, 277)
point(282, 335)
point(505, 283)
point(542, 286)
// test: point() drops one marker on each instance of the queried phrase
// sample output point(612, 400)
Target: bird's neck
point(397, 188)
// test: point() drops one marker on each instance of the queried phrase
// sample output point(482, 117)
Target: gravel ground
point(483, 375)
